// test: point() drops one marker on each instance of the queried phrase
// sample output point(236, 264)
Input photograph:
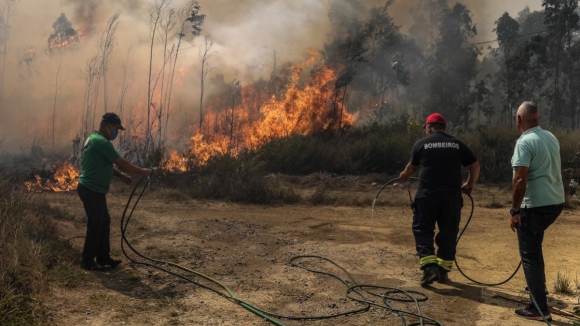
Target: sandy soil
point(247, 248)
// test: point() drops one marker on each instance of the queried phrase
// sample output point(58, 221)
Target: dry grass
point(30, 254)
point(494, 203)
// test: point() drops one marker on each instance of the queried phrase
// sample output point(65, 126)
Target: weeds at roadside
point(67, 276)
point(320, 196)
point(15, 309)
point(493, 203)
point(563, 284)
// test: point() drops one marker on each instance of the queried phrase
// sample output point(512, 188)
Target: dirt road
point(247, 248)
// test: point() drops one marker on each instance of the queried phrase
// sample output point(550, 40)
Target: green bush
point(237, 179)
point(369, 149)
point(383, 149)
point(493, 148)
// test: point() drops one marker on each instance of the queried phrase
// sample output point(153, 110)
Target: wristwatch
point(512, 212)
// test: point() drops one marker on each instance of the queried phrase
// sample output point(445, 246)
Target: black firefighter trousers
point(444, 210)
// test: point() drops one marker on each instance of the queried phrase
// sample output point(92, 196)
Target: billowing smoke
point(249, 36)
point(86, 12)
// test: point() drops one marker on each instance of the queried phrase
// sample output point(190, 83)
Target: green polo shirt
point(98, 156)
point(539, 150)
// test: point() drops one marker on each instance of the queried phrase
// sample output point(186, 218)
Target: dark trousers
point(98, 224)
point(530, 237)
point(443, 209)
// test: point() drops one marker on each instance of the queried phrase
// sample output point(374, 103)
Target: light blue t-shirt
point(539, 150)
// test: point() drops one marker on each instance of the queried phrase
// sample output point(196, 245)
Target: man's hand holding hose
point(128, 167)
point(410, 170)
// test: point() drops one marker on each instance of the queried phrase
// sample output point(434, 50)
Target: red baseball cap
point(435, 118)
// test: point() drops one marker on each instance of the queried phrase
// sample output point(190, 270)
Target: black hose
point(457, 241)
point(358, 290)
point(458, 237)
point(229, 296)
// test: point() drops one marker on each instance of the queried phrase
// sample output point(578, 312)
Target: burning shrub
point(65, 178)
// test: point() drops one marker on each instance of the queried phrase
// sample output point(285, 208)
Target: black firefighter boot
point(430, 274)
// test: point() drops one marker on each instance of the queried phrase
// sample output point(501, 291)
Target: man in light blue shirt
point(537, 201)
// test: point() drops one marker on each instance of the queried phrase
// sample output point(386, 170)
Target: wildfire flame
point(57, 43)
point(301, 109)
point(199, 153)
point(179, 78)
point(65, 179)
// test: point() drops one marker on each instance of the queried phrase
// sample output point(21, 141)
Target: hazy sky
point(290, 27)
point(243, 30)
point(245, 34)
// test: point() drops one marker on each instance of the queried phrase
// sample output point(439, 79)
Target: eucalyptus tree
point(190, 22)
point(106, 43)
point(507, 31)
point(7, 11)
point(62, 38)
point(92, 76)
point(206, 68)
point(452, 67)
point(562, 20)
point(427, 16)
point(155, 18)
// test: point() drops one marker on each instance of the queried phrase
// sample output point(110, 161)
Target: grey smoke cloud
point(245, 32)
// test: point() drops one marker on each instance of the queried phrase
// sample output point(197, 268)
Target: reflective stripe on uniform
point(431, 259)
point(445, 264)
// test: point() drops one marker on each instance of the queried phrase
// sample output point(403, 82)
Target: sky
point(290, 27)
point(242, 30)
point(245, 32)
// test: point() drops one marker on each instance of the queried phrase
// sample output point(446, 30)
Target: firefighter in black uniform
point(439, 157)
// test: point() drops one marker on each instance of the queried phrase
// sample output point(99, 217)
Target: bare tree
point(205, 70)
point(92, 75)
point(126, 85)
point(62, 37)
point(188, 17)
point(232, 121)
point(25, 71)
point(7, 10)
point(106, 44)
point(167, 24)
point(155, 16)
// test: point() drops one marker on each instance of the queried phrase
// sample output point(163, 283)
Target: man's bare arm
point(129, 167)
point(520, 183)
point(471, 178)
point(410, 170)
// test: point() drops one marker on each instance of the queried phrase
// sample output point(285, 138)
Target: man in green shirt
point(537, 201)
point(100, 161)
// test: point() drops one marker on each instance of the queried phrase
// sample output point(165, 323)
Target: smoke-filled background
point(54, 92)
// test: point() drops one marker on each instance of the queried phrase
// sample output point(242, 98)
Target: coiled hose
point(355, 291)
point(457, 241)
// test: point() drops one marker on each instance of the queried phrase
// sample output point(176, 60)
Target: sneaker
point(90, 265)
point(530, 312)
point(442, 276)
point(430, 274)
point(528, 290)
point(109, 262)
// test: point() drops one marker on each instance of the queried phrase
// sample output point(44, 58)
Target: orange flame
point(65, 179)
point(179, 78)
point(59, 44)
point(300, 110)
